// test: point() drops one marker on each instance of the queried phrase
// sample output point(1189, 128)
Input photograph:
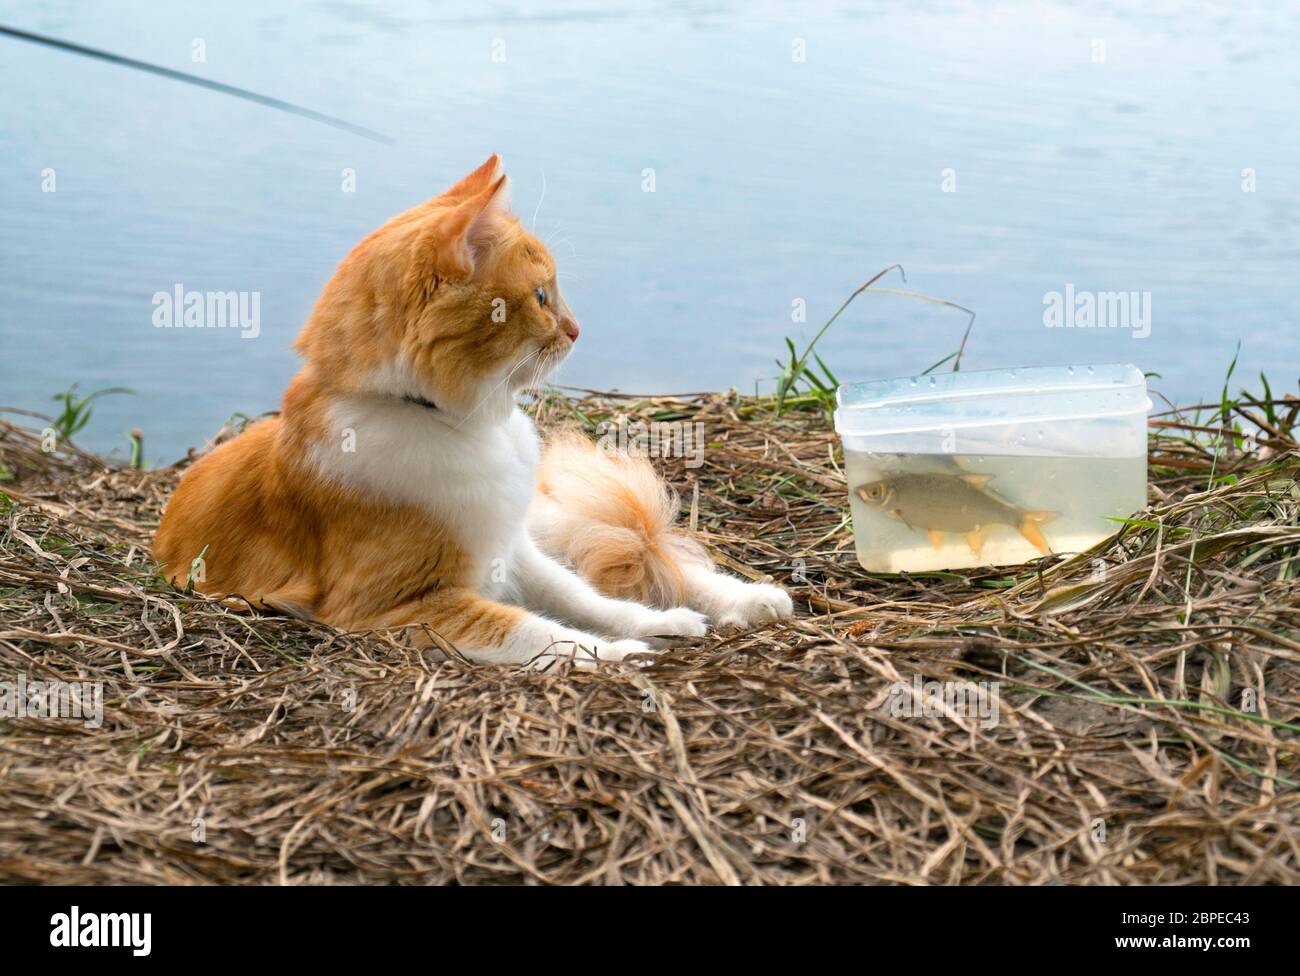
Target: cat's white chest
point(477, 482)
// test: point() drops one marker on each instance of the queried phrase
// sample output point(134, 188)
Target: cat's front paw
point(617, 650)
point(753, 605)
point(678, 622)
point(586, 654)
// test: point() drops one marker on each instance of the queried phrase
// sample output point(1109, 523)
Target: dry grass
point(311, 756)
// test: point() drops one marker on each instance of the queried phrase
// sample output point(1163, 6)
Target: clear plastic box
point(993, 467)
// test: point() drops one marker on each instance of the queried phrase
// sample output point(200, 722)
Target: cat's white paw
point(753, 605)
point(588, 653)
point(619, 649)
point(678, 622)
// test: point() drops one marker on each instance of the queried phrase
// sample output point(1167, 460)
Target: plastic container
point(994, 467)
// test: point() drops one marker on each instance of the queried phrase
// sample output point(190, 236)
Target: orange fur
point(418, 291)
point(610, 516)
point(394, 488)
point(271, 533)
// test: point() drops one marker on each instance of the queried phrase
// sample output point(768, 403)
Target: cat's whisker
point(485, 399)
point(540, 368)
point(552, 240)
point(554, 372)
point(539, 201)
point(540, 356)
point(573, 251)
point(527, 385)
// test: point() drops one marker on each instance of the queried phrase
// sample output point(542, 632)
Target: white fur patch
point(477, 480)
point(729, 602)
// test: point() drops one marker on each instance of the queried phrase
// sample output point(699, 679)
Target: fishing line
point(217, 86)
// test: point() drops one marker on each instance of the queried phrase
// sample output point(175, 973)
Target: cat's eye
point(541, 296)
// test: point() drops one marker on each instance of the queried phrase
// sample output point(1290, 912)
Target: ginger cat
point(400, 483)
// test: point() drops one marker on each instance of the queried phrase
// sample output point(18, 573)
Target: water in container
point(994, 467)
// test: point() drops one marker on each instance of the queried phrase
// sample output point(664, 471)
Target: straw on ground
point(1148, 726)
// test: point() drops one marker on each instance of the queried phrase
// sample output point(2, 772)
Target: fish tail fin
point(1028, 527)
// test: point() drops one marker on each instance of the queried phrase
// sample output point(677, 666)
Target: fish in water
point(942, 503)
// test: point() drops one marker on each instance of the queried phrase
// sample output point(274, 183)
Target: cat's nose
point(570, 329)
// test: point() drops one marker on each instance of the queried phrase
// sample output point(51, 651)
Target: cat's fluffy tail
point(609, 517)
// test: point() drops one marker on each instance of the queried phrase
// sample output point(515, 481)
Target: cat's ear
point(455, 238)
point(476, 181)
